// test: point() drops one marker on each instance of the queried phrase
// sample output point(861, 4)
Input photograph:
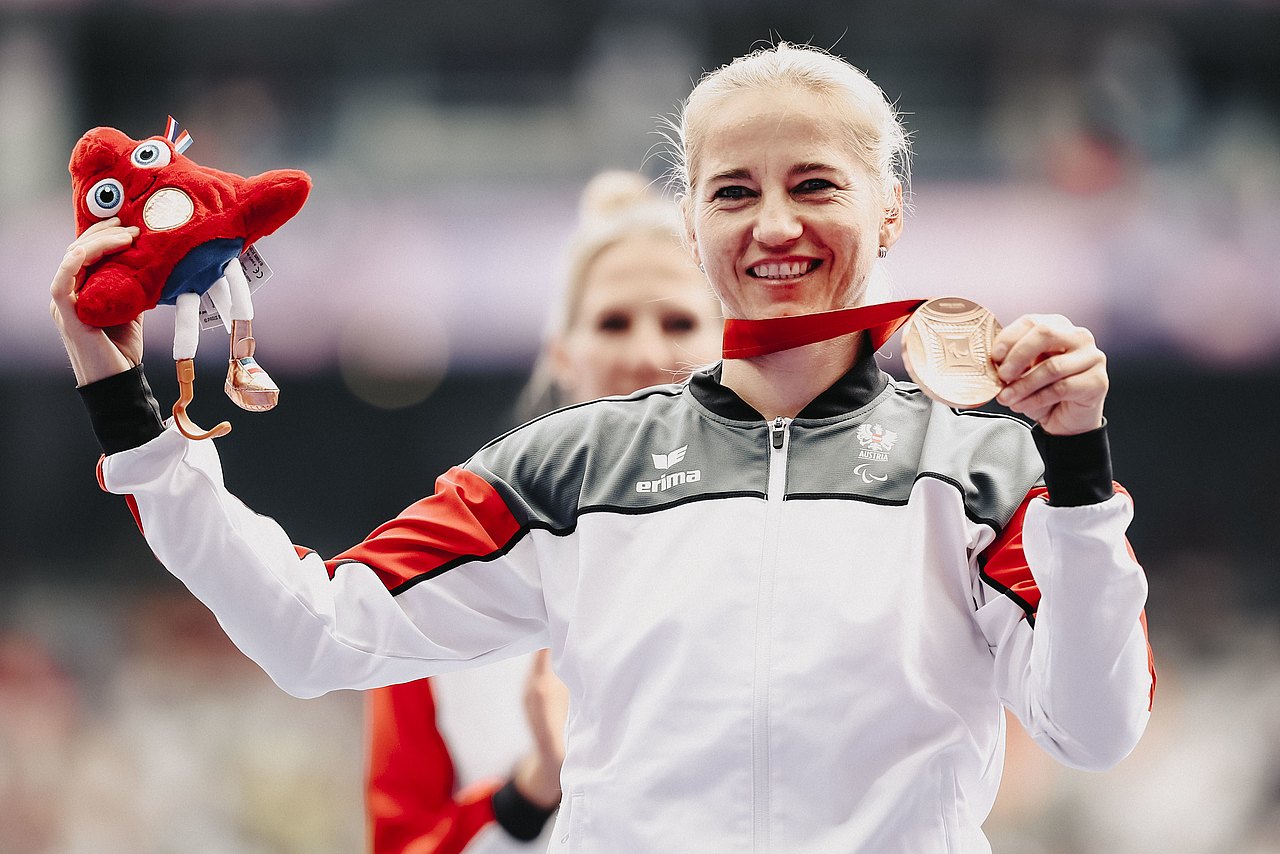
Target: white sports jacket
point(791, 637)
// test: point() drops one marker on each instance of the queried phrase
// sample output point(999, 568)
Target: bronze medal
point(946, 348)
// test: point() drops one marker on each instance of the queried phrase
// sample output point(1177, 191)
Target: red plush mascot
point(193, 224)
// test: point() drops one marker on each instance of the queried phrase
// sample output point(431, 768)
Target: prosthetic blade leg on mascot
point(193, 223)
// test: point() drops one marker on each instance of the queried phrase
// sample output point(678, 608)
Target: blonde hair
point(615, 205)
point(876, 132)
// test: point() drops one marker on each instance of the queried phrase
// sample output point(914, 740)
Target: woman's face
point(781, 212)
point(645, 316)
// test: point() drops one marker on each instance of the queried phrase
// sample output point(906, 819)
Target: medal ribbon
point(744, 339)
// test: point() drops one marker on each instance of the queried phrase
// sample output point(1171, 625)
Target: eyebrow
point(798, 169)
point(730, 175)
point(816, 166)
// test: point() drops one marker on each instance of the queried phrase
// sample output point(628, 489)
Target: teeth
point(788, 270)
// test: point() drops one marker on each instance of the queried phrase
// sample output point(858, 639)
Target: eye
point(678, 324)
point(614, 323)
point(104, 198)
point(732, 192)
point(151, 155)
point(814, 185)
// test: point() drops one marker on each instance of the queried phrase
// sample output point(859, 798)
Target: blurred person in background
point(765, 648)
point(40, 710)
point(635, 312)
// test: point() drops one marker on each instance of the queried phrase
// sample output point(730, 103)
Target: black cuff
point(519, 816)
point(122, 410)
point(1077, 469)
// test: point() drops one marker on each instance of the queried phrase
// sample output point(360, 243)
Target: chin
point(785, 308)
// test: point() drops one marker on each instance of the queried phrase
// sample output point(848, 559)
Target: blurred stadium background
point(1118, 162)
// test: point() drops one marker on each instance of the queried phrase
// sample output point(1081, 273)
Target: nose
point(651, 356)
point(777, 222)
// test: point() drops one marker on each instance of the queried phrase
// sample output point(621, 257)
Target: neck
point(783, 383)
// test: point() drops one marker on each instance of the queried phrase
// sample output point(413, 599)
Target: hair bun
point(613, 192)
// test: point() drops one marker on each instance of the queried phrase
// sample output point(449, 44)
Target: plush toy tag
point(256, 272)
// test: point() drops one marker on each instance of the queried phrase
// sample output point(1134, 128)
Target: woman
point(635, 312)
point(764, 650)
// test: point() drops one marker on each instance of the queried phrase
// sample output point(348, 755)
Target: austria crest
point(876, 442)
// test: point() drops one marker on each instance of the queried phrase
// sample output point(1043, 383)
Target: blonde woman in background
point(451, 765)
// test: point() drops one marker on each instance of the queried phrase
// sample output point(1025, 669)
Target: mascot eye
point(151, 155)
point(104, 198)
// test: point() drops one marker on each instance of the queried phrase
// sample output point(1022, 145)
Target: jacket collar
point(858, 387)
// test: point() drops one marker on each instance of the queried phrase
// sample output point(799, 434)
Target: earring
point(884, 252)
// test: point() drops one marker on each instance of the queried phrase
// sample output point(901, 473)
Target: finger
point(1065, 419)
point(1038, 343)
point(1038, 414)
point(101, 229)
point(106, 241)
point(1079, 392)
point(99, 226)
point(64, 279)
point(1009, 336)
point(1050, 371)
point(1083, 394)
point(542, 662)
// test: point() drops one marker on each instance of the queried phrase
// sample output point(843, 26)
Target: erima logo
point(663, 462)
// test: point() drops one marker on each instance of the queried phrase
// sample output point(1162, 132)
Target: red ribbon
point(744, 339)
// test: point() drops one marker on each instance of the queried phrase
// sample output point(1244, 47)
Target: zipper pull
point(777, 431)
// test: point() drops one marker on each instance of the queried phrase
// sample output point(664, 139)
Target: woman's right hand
point(95, 353)
point(546, 706)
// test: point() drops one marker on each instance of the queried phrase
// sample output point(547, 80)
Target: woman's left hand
point(1053, 373)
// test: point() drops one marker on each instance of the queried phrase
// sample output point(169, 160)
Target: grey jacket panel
point(638, 453)
point(660, 447)
point(877, 454)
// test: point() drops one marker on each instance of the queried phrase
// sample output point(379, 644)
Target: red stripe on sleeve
point(1151, 660)
point(129, 500)
point(1142, 618)
point(1006, 568)
point(465, 518)
point(1004, 563)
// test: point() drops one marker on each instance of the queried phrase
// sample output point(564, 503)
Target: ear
point(560, 365)
point(689, 235)
point(891, 225)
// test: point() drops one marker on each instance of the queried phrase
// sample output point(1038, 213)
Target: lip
point(145, 190)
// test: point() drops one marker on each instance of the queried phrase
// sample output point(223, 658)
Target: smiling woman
point(805, 647)
point(799, 229)
point(807, 219)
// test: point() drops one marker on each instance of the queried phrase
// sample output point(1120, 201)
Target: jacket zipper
point(779, 443)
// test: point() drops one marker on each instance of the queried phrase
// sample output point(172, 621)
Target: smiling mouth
point(781, 272)
point(147, 189)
